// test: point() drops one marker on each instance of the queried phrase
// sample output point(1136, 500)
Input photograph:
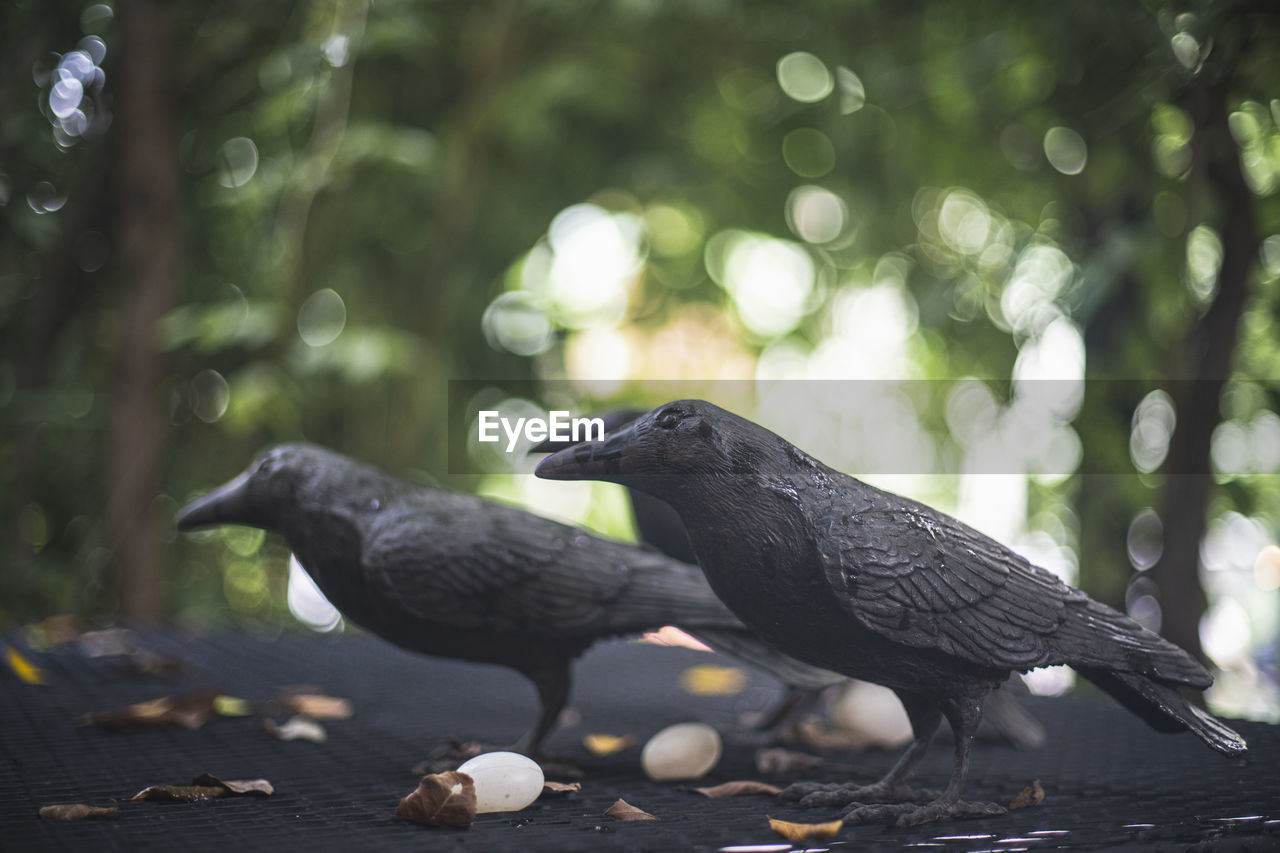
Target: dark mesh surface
point(1103, 770)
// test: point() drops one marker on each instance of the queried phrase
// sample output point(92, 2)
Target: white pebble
point(505, 781)
point(682, 751)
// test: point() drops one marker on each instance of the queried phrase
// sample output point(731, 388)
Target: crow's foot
point(910, 814)
point(818, 794)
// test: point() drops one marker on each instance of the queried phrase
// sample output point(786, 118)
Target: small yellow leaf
point(230, 706)
point(602, 744)
point(805, 831)
point(713, 680)
point(23, 668)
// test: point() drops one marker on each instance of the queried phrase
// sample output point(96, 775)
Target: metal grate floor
point(1110, 781)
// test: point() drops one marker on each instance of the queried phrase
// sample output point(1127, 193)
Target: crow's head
point(676, 448)
point(279, 481)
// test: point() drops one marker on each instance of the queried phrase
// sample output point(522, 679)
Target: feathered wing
point(486, 565)
point(516, 572)
point(926, 580)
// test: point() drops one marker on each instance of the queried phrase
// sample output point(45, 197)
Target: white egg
point(682, 751)
point(505, 781)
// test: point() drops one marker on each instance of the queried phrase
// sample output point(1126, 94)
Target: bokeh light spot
point(853, 95)
point(1066, 150)
point(322, 318)
point(1145, 539)
point(514, 323)
point(808, 152)
point(239, 162)
point(804, 77)
point(816, 215)
point(1153, 423)
point(210, 395)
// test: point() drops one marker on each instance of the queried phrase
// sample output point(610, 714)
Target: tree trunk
point(150, 241)
point(1210, 350)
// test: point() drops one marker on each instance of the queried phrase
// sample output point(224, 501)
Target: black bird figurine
point(661, 527)
point(457, 576)
point(850, 578)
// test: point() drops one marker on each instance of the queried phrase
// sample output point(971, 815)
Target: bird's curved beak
point(224, 505)
point(609, 459)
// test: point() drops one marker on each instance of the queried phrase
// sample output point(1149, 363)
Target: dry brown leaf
point(203, 787)
point(776, 761)
point(179, 793)
point(442, 799)
point(1032, 795)
point(602, 744)
point(189, 710)
point(237, 786)
point(624, 811)
point(805, 831)
point(562, 787)
point(76, 811)
point(738, 789)
point(318, 706)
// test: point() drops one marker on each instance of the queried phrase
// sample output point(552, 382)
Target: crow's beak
point(593, 460)
point(224, 505)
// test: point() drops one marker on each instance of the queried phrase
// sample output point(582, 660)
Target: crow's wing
point(462, 561)
point(927, 580)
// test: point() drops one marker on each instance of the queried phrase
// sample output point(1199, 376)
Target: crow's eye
point(668, 419)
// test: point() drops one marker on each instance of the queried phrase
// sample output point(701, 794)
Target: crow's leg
point(893, 788)
point(552, 683)
point(964, 714)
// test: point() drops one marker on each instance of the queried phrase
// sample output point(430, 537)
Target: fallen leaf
point(237, 786)
point(602, 744)
point(442, 799)
point(562, 787)
point(670, 635)
point(179, 793)
point(203, 787)
point(317, 706)
point(26, 671)
point(713, 680)
point(738, 789)
point(777, 761)
point(624, 811)
point(1032, 795)
point(189, 710)
point(76, 811)
point(297, 728)
point(805, 831)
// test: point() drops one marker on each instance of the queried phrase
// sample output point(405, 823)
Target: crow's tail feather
point(1164, 709)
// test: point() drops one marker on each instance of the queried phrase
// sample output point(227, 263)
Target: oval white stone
point(682, 751)
point(505, 781)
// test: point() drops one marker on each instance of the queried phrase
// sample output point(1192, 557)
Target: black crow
point(661, 527)
point(854, 579)
point(458, 576)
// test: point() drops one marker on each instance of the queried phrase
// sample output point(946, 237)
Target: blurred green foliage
point(362, 182)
